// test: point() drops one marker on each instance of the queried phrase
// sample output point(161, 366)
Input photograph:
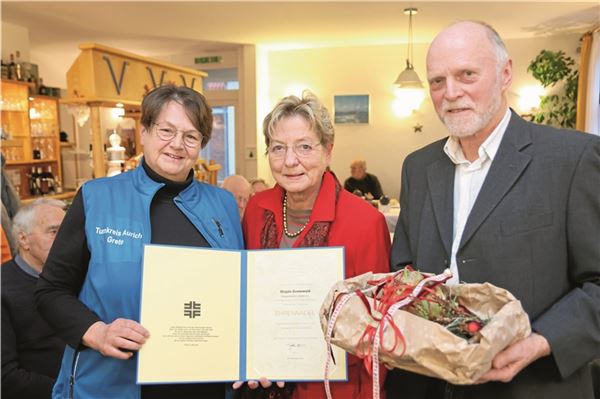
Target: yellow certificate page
point(191, 306)
point(285, 291)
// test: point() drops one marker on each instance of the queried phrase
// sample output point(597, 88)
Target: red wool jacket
point(356, 226)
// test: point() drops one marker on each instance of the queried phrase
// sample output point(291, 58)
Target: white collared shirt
point(468, 179)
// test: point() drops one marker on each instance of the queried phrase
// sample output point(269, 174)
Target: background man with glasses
point(367, 183)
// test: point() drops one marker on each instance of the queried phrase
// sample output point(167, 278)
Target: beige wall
point(14, 37)
point(387, 139)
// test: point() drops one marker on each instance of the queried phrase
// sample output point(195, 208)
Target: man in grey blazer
point(512, 203)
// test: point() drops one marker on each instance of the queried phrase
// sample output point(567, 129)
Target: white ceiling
point(154, 28)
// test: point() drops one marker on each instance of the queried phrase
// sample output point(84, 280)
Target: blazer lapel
point(505, 170)
point(440, 179)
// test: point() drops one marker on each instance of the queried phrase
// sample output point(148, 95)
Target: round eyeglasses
point(191, 138)
point(302, 150)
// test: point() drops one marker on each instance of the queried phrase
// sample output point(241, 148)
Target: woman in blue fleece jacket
point(90, 288)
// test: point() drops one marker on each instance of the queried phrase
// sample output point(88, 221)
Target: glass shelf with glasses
point(30, 135)
point(13, 150)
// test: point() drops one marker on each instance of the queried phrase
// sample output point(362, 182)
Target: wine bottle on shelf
point(12, 67)
point(34, 187)
point(44, 183)
point(38, 180)
point(51, 180)
point(37, 154)
point(91, 157)
point(30, 180)
point(18, 67)
point(43, 90)
point(4, 69)
point(32, 86)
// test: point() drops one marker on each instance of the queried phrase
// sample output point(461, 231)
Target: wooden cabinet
point(30, 135)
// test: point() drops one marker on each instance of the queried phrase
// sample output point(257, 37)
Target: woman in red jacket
point(309, 208)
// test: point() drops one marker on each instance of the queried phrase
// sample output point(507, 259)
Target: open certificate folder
point(227, 315)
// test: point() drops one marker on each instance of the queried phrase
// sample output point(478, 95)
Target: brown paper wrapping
point(431, 349)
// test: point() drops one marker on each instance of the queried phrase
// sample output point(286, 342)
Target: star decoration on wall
point(418, 128)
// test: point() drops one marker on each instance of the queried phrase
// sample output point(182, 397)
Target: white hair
point(25, 219)
point(496, 41)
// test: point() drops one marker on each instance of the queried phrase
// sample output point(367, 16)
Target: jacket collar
point(143, 182)
point(148, 186)
point(508, 166)
point(509, 163)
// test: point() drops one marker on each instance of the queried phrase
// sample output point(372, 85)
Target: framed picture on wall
point(351, 109)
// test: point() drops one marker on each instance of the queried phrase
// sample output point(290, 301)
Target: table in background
point(391, 217)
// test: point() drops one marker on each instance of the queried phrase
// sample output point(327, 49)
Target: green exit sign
point(215, 59)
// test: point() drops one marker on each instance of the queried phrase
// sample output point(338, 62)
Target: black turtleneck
point(168, 226)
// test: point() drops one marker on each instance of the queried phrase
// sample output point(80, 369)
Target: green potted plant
point(560, 108)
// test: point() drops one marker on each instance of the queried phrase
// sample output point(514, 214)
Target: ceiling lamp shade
point(408, 78)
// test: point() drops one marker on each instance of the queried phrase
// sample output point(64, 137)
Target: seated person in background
point(31, 351)
point(258, 185)
point(241, 190)
point(367, 183)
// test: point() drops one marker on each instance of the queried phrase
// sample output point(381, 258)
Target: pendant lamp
point(408, 79)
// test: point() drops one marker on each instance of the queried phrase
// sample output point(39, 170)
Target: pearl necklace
point(285, 226)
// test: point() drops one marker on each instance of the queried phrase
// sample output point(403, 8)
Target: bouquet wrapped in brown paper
point(412, 321)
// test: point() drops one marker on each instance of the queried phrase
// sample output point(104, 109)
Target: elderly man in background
point(367, 183)
point(258, 185)
point(31, 351)
point(508, 202)
point(241, 190)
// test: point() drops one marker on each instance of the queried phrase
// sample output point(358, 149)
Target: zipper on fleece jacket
point(72, 377)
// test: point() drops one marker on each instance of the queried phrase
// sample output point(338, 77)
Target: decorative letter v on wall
point(185, 83)
point(119, 84)
point(162, 77)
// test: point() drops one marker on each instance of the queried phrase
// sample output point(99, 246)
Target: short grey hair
point(235, 181)
point(496, 41)
point(310, 108)
point(257, 180)
point(25, 219)
point(359, 162)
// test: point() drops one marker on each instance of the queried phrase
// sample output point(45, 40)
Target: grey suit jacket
point(534, 230)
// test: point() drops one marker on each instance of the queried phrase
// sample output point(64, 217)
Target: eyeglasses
point(191, 138)
point(302, 150)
